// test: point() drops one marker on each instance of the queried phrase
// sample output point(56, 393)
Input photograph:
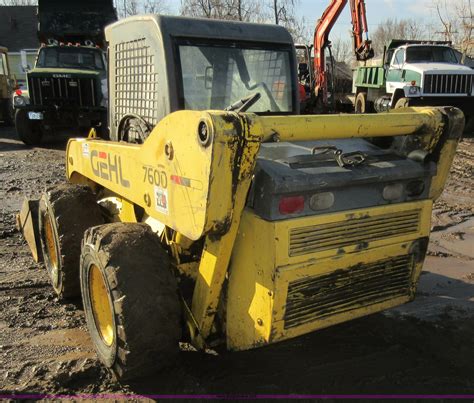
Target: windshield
point(71, 57)
point(422, 54)
point(215, 77)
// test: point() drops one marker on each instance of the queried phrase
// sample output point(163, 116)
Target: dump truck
point(67, 88)
point(217, 215)
point(7, 84)
point(415, 73)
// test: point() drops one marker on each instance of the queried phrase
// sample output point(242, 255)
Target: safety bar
point(325, 127)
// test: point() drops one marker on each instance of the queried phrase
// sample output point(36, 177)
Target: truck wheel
point(130, 299)
point(29, 132)
point(402, 103)
point(65, 212)
point(361, 104)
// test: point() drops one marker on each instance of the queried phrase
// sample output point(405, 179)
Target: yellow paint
point(322, 127)
point(143, 174)
point(92, 133)
point(199, 190)
point(50, 243)
point(101, 308)
point(261, 269)
point(217, 250)
point(446, 159)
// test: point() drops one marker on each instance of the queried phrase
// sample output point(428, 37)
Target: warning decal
point(161, 200)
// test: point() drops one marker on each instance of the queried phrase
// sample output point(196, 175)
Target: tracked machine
point(219, 216)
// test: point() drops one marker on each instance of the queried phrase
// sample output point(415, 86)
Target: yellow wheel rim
point(51, 247)
point(101, 306)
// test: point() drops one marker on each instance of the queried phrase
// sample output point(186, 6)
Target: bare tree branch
point(396, 29)
point(126, 8)
point(457, 19)
point(18, 3)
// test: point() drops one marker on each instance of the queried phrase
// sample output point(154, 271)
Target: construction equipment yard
point(423, 347)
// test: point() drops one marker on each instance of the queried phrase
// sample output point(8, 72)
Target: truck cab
point(416, 73)
point(67, 88)
point(428, 71)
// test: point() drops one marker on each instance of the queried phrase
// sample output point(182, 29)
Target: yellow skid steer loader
point(220, 216)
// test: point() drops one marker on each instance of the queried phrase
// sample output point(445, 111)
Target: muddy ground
point(425, 347)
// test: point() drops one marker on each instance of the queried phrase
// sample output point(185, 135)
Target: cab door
point(395, 71)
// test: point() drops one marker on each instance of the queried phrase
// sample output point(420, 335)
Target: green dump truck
point(415, 73)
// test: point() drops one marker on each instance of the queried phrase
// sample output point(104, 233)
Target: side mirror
point(24, 61)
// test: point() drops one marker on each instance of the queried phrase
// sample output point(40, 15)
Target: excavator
point(316, 78)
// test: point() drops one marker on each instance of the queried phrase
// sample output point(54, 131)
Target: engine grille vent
point(73, 91)
point(361, 285)
point(448, 83)
point(321, 237)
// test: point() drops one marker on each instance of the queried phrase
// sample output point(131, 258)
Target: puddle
point(458, 239)
point(63, 337)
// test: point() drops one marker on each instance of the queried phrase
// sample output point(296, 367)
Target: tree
point(239, 10)
point(342, 50)
point(457, 20)
point(155, 7)
point(126, 8)
point(281, 12)
point(18, 3)
point(396, 29)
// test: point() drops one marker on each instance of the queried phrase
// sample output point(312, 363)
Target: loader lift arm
point(361, 43)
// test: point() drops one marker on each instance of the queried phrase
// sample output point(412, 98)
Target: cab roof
point(395, 43)
point(205, 28)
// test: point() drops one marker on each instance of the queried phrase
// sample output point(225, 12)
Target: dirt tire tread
point(74, 209)
point(144, 296)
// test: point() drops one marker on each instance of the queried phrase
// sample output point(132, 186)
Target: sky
point(377, 12)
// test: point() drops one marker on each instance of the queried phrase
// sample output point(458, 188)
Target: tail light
point(393, 192)
point(291, 204)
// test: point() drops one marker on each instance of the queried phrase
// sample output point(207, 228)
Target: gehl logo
point(108, 167)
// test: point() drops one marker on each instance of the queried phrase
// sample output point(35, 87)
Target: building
point(18, 31)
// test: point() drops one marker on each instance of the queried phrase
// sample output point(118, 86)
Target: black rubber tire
point(29, 132)
point(142, 292)
point(402, 103)
point(71, 210)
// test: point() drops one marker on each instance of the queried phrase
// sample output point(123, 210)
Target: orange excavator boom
point(362, 45)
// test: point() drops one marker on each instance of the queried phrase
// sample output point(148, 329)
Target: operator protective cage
point(145, 67)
